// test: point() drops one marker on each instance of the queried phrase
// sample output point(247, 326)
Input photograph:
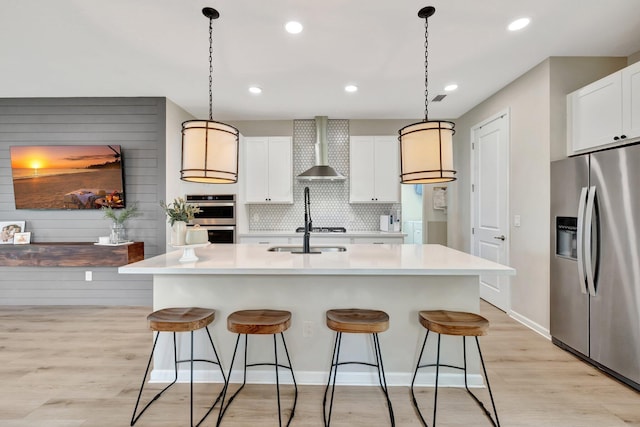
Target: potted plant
point(118, 217)
point(179, 213)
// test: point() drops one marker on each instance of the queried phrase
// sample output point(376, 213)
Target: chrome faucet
point(307, 222)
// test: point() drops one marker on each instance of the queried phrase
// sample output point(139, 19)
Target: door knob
point(500, 237)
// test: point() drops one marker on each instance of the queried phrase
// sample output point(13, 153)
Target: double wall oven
point(217, 215)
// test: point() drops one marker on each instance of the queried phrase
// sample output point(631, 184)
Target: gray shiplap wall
point(138, 125)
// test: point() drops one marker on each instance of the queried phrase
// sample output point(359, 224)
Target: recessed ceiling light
point(519, 24)
point(351, 88)
point(255, 89)
point(451, 87)
point(293, 27)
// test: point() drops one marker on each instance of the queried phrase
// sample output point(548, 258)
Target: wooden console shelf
point(72, 254)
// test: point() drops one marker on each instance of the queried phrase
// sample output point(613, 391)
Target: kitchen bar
point(399, 279)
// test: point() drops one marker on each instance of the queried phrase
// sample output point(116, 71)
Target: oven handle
point(217, 227)
point(213, 204)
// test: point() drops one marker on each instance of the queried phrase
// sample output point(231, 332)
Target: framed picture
point(8, 229)
point(440, 198)
point(22, 238)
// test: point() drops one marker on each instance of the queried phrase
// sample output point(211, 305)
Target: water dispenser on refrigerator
point(566, 237)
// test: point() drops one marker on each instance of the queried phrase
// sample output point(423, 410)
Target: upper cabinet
point(631, 100)
point(374, 169)
point(605, 113)
point(269, 170)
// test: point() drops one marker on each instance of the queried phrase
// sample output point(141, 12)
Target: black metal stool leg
point(224, 408)
point(382, 378)
point(191, 380)
point(496, 423)
point(415, 374)
point(135, 418)
point(334, 370)
point(224, 379)
point(244, 381)
point(295, 385)
point(275, 351)
point(435, 396)
point(494, 420)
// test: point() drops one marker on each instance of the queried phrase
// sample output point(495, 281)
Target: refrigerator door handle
point(591, 201)
point(580, 235)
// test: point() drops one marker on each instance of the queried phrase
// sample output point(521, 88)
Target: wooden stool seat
point(454, 323)
point(355, 320)
point(259, 321)
point(180, 319)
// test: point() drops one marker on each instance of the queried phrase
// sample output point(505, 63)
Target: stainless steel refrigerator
point(595, 259)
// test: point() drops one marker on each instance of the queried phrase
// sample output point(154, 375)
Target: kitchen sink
point(298, 249)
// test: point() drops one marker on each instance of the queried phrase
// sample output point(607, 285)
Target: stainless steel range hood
point(321, 171)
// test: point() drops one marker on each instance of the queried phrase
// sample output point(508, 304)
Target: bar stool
point(460, 324)
point(260, 322)
point(356, 321)
point(187, 319)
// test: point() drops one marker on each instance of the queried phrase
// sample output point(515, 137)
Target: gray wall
point(138, 125)
point(537, 107)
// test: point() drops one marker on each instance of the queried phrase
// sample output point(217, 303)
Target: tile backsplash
point(329, 199)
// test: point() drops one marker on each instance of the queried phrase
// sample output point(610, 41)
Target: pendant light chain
point(209, 148)
point(210, 68)
point(426, 69)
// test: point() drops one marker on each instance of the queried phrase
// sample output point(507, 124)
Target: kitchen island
point(399, 279)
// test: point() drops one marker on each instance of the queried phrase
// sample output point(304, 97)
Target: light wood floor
point(69, 366)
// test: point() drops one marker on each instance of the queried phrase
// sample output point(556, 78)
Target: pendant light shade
point(426, 147)
point(426, 153)
point(209, 148)
point(209, 152)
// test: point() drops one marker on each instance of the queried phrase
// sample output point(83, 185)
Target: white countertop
point(323, 234)
point(359, 259)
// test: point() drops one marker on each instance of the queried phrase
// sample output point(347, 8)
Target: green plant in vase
point(118, 217)
point(179, 213)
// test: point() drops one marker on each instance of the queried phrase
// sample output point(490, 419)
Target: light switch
point(516, 220)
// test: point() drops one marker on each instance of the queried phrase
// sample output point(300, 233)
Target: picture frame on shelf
point(8, 229)
point(23, 238)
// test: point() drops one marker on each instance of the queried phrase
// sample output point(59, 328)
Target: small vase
point(179, 232)
point(118, 233)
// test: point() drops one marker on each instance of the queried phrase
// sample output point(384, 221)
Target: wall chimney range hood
point(321, 171)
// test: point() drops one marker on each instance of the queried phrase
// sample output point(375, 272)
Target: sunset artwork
point(67, 176)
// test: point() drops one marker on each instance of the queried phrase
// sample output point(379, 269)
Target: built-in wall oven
point(217, 215)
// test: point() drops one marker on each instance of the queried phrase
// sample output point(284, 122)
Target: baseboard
point(394, 379)
point(530, 324)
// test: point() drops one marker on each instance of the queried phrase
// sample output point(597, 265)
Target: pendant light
point(209, 148)
point(426, 147)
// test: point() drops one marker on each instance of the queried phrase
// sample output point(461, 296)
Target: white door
point(490, 214)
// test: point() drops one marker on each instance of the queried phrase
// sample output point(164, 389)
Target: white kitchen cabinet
point(269, 170)
point(374, 169)
point(631, 101)
point(605, 113)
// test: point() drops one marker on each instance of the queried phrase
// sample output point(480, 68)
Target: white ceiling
point(59, 48)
